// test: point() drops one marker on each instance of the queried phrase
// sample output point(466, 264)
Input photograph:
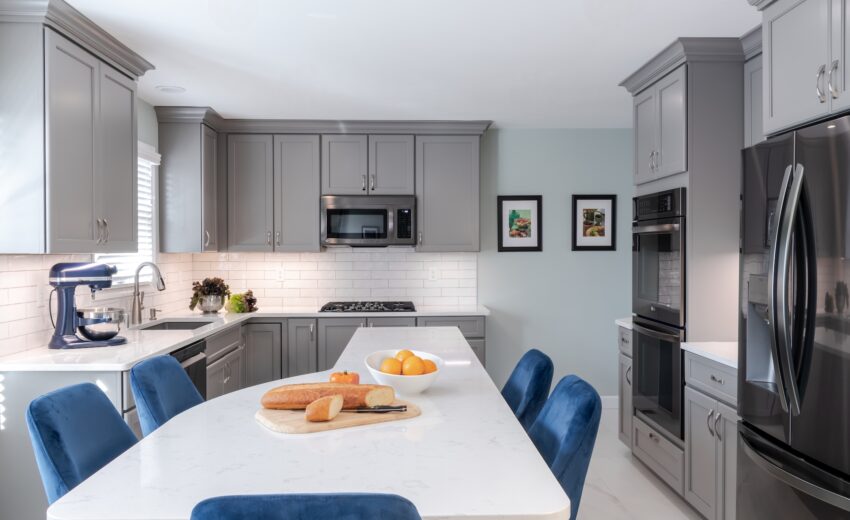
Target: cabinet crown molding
point(751, 42)
point(760, 4)
point(210, 117)
point(71, 23)
point(684, 50)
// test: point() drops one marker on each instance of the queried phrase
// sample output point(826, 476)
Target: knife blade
point(379, 409)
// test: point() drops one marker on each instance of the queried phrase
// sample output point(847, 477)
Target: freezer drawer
point(662, 456)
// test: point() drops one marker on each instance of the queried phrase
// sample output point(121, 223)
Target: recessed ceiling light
point(170, 89)
point(830, 126)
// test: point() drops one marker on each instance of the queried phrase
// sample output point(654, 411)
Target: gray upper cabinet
point(296, 191)
point(301, 346)
point(839, 74)
point(334, 335)
point(660, 119)
point(345, 164)
point(391, 165)
point(796, 49)
point(263, 352)
point(188, 191)
point(447, 192)
point(753, 106)
point(250, 185)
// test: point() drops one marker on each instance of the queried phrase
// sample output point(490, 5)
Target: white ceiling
point(521, 63)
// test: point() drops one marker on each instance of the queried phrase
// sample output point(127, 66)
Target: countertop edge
point(626, 323)
point(717, 351)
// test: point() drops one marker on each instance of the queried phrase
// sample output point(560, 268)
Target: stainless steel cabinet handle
point(268, 238)
point(651, 155)
point(206, 238)
point(654, 437)
point(99, 231)
point(833, 91)
point(363, 186)
point(708, 422)
point(629, 375)
point(420, 238)
point(312, 330)
point(716, 429)
point(277, 237)
point(716, 379)
point(820, 93)
point(106, 231)
point(373, 182)
point(362, 324)
point(371, 324)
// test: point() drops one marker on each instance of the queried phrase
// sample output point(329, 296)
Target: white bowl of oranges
point(407, 371)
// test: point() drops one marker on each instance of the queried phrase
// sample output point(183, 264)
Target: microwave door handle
point(656, 228)
point(772, 290)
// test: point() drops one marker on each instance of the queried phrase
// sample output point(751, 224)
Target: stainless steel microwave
point(368, 220)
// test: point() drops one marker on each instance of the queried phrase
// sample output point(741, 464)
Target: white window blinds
point(128, 262)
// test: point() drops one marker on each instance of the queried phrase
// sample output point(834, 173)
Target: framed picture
point(520, 222)
point(594, 222)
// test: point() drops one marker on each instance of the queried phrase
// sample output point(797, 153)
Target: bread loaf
point(324, 409)
point(297, 397)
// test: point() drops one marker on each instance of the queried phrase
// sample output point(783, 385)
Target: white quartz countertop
point(465, 456)
point(142, 344)
point(626, 323)
point(724, 352)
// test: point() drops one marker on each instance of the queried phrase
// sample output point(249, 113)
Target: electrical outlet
point(280, 275)
point(433, 274)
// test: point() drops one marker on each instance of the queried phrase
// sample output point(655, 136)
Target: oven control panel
point(665, 204)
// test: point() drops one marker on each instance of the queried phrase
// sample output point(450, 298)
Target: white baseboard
point(610, 401)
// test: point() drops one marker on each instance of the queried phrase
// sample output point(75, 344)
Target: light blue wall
point(559, 301)
point(147, 123)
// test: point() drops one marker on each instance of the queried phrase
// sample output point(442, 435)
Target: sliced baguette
point(297, 397)
point(324, 409)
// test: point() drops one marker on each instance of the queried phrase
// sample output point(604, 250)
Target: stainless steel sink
point(175, 325)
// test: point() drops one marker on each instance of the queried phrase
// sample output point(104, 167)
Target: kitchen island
point(466, 455)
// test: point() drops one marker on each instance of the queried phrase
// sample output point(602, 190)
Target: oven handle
point(194, 359)
point(657, 334)
point(656, 228)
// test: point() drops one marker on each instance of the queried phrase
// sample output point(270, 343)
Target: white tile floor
point(618, 486)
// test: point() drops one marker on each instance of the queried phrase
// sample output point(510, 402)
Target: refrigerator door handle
point(772, 288)
point(789, 479)
point(783, 263)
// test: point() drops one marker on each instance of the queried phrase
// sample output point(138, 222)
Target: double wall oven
point(658, 305)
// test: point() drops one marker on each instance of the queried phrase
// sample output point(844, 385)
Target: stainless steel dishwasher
point(193, 359)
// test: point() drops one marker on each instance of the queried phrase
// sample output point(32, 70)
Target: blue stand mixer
point(65, 277)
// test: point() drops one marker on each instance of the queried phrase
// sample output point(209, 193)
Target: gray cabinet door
point(479, 347)
point(209, 180)
point(216, 374)
point(391, 165)
point(447, 192)
point(226, 375)
point(72, 85)
point(727, 461)
point(344, 164)
point(700, 452)
point(625, 398)
point(334, 335)
point(297, 191)
point(250, 185)
point(753, 106)
point(116, 172)
point(837, 75)
point(644, 115)
point(263, 353)
point(301, 346)
point(672, 150)
point(391, 322)
point(470, 326)
point(796, 62)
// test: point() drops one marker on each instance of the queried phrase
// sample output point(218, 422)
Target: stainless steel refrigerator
point(794, 355)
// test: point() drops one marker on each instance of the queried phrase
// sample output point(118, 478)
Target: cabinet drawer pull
point(420, 238)
point(105, 231)
point(363, 184)
point(651, 167)
point(654, 437)
point(373, 182)
point(716, 379)
point(99, 231)
point(716, 430)
point(277, 237)
point(206, 238)
point(820, 93)
point(833, 91)
point(629, 375)
point(268, 238)
point(312, 330)
point(708, 422)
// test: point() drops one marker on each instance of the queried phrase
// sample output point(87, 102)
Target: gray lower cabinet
point(188, 177)
point(391, 322)
point(710, 455)
point(472, 328)
point(753, 105)
point(302, 346)
point(226, 374)
point(334, 335)
point(391, 165)
point(264, 350)
point(479, 347)
point(625, 400)
point(447, 193)
point(296, 193)
point(250, 185)
point(345, 164)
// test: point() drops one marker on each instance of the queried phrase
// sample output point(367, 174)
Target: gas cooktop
point(368, 307)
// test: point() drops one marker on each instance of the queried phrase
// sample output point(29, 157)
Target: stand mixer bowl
point(100, 323)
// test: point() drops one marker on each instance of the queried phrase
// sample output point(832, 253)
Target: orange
point(413, 366)
point(391, 366)
point(401, 355)
point(430, 366)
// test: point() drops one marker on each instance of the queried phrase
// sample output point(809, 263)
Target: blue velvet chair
point(162, 390)
point(528, 386)
point(75, 431)
point(565, 432)
point(337, 506)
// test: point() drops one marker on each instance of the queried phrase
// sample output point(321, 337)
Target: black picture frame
point(610, 222)
point(537, 229)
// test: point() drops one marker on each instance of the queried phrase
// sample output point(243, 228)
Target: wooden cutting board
point(293, 421)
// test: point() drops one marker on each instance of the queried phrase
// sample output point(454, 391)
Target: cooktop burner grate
point(368, 307)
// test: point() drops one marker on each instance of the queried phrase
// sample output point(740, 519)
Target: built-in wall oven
point(658, 305)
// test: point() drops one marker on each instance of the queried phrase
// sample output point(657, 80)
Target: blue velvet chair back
point(338, 506)
point(565, 432)
point(528, 386)
point(162, 389)
point(75, 431)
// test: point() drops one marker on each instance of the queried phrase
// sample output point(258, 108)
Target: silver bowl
point(211, 304)
point(100, 323)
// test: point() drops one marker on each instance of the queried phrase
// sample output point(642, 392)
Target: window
point(127, 262)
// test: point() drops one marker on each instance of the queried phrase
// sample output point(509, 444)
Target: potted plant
point(209, 294)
